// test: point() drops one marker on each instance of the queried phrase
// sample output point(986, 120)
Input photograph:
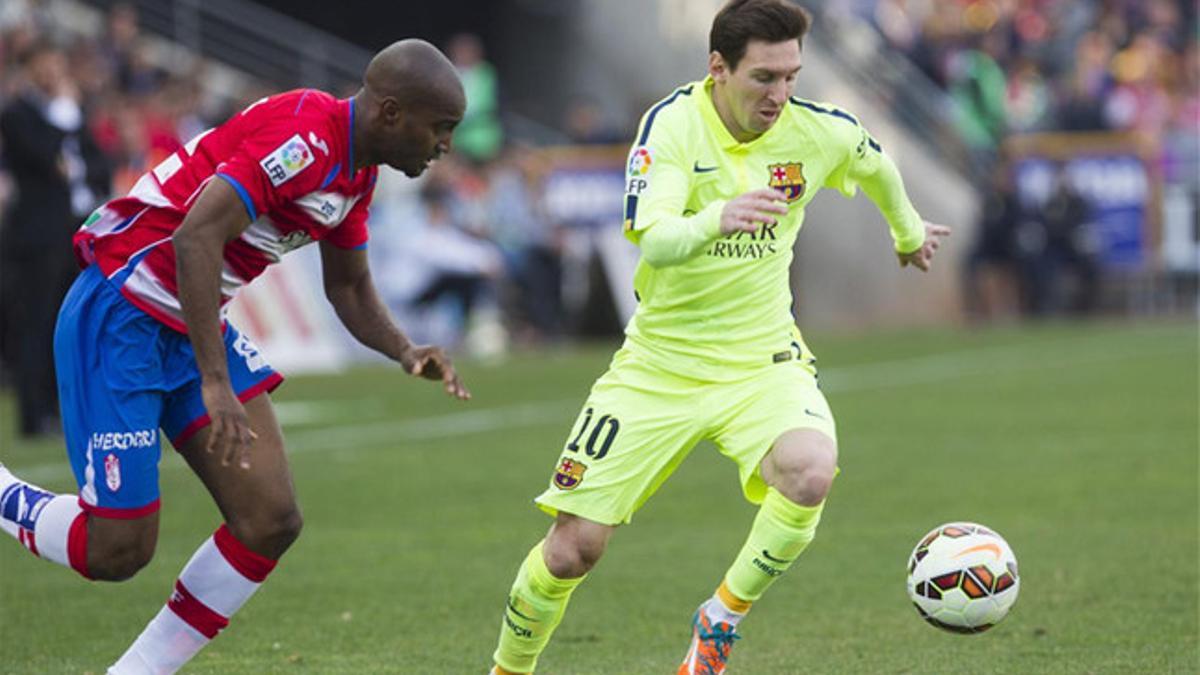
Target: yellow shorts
point(640, 421)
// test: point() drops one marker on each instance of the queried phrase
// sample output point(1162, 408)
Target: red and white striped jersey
point(290, 158)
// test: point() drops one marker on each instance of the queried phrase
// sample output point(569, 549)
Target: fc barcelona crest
point(569, 474)
point(788, 179)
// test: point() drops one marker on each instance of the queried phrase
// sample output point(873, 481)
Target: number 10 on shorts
point(603, 433)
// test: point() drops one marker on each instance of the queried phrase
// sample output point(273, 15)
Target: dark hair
point(741, 21)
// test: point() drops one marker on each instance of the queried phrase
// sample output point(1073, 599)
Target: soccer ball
point(962, 577)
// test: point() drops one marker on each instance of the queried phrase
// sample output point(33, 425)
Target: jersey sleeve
point(352, 232)
point(275, 164)
point(864, 164)
point(859, 153)
point(657, 176)
point(658, 179)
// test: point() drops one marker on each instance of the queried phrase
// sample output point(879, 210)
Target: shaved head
point(413, 71)
point(410, 102)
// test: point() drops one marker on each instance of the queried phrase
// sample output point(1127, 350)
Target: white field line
point(862, 377)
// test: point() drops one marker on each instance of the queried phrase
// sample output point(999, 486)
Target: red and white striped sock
point(51, 526)
point(216, 582)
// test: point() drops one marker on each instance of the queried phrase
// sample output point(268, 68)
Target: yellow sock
point(781, 531)
point(731, 601)
point(536, 605)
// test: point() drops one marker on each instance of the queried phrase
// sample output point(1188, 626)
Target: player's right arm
point(866, 165)
point(216, 218)
point(658, 183)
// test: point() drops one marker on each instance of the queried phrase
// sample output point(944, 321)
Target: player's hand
point(432, 363)
point(229, 432)
point(747, 212)
point(922, 258)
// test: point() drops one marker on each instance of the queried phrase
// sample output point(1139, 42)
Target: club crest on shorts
point(569, 474)
point(788, 179)
point(112, 472)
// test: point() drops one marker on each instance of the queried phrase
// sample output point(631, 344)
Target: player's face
point(757, 90)
point(420, 135)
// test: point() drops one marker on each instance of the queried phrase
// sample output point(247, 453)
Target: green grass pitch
point(1078, 443)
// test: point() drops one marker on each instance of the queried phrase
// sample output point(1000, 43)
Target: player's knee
point(285, 527)
point(806, 483)
point(572, 552)
point(803, 469)
point(119, 560)
point(269, 532)
point(571, 562)
point(812, 485)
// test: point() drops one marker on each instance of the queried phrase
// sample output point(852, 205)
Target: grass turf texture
point(1078, 443)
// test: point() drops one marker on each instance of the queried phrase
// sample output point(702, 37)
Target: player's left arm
point(351, 291)
point(916, 240)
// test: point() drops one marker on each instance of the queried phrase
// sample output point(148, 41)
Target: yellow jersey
point(723, 304)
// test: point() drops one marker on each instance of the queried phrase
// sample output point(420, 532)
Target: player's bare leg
point(259, 503)
point(799, 470)
point(538, 599)
point(118, 548)
point(262, 520)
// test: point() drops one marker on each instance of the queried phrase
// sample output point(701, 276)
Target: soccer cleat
point(711, 644)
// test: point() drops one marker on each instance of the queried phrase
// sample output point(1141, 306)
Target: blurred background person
point(461, 270)
point(1070, 251)
point(990, 279)
point(59, 176)
point(480, 134)
point(531, 244)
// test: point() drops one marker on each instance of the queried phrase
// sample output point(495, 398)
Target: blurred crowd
point(1033, 65)
point(1025, 66)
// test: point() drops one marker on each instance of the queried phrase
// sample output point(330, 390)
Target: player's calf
point(544, 583)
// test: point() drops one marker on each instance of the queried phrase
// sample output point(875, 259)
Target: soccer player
point(718, 178)
point(141, 343)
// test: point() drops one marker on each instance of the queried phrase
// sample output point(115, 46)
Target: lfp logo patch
point(287, 160)
point(296, 155)
point(788, 179)
point(569, 474)
point(640, 161)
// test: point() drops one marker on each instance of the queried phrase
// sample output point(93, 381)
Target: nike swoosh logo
point(982, 547)
point(816, 415)
point(514, 611)
point(702, 169)
point(773, 559)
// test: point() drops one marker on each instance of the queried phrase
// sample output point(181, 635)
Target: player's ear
point(390, 110)
point(717, 67)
